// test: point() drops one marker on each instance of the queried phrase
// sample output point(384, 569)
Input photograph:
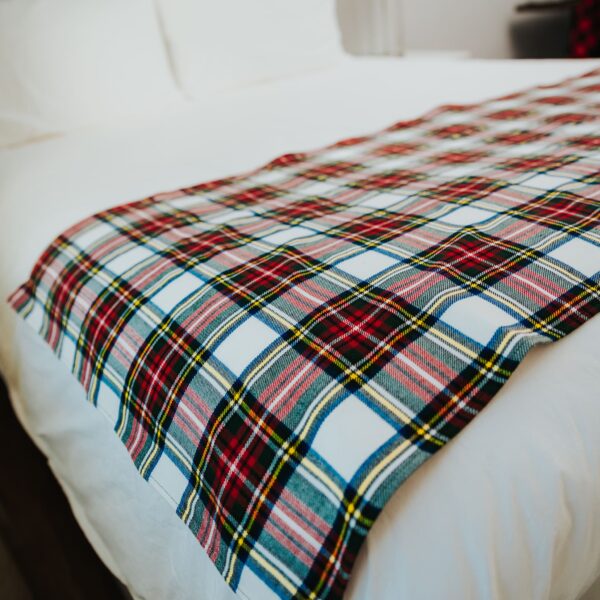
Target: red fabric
point(585, 31)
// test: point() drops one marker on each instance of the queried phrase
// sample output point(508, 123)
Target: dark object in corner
point(557, 4)
point(585, 30)
point(541, 29)
point(45, 551)
point(557, 29)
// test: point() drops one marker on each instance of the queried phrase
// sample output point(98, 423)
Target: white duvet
point(509, 509)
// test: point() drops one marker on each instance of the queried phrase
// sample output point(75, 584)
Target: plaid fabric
point(279, 351)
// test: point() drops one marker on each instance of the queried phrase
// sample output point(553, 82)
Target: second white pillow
point(222, 44)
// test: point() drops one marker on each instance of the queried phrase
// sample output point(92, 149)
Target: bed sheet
point(503, 511)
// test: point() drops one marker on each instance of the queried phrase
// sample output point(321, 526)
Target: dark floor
point(43, 553)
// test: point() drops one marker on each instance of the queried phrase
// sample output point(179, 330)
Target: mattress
point(503, 511)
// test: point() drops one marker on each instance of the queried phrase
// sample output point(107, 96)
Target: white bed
point(504, 511)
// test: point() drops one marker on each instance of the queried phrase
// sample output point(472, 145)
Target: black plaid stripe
point(538, 163)
point(465, 190)
point(240, 469)
point(259, 281)
point(195, 249)
point(354, 335)
point(561, 211)
point(377, 228)
point(297, 211)
point(475, 260)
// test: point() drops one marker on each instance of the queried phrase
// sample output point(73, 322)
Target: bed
point(506, 510)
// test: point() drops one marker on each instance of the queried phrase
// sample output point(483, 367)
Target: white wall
point(479, 28)
point(372, 26)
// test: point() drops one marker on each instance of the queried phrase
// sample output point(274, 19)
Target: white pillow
point(68, 63)
point(221, 44)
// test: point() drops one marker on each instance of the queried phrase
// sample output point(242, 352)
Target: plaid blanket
point(280, 350)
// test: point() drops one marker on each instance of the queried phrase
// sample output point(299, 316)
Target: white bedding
point(504, 511)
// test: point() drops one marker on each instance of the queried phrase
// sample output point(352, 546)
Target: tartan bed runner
point(280, 350)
